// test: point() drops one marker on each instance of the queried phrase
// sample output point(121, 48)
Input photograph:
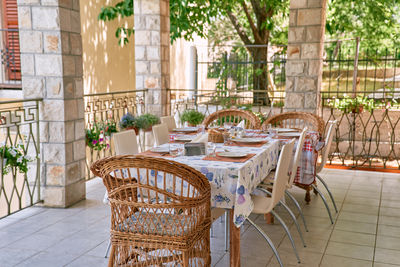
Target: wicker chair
point(160, 212)
point(297, 120)
point(233, 116)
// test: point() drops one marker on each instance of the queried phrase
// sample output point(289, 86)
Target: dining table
point(233, 180)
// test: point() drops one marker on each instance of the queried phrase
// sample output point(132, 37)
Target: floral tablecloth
point(232, 183)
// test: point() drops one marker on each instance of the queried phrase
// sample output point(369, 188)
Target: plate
point(160, 149)
point(290, 134)
point(183, 139)
point(186, 129)
point(284, 130)
point(232, 154)
point(248, 140)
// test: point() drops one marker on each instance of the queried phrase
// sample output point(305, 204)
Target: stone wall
point(51, 60)
point(304, 53)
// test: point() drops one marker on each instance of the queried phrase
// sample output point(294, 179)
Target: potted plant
point(128, 122)
point(354, 105)
point(146, 121)
point(192, 117)
point(14, 157)
point(98, 135)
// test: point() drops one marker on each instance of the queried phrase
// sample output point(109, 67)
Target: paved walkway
point(366, 231)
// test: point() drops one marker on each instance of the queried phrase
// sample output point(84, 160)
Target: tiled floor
point(366, 231)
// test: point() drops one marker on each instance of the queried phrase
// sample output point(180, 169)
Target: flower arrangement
point(146, 121)
point(14, 157)
point(193, 117)
point(127, 121)
point(98, 135)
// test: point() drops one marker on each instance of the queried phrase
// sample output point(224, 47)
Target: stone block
point(140, 52)
point(27, 65)
point(48, 65)
point(298, 3)
point(65, 19)
point(73, 172)
point(142, 37)
point(79, 129)
point(63, 3)
point(75, 192)
point(45, 18)
point(290, 82)
point(294, 68)
point(309, 17)
point(79, 150)
point(83, 168)
point(314, 34)
point(27, 2)
point(316, 3)
point(52, 42)
point(139, 82)
point(155, 68)
point(310, 51)
point(294, 100)
point(65, 44)
point(44, 131)
point(293, 51)
point(81, 108)
point(165, 38)
point(76, 44)
point(310, 100)
point(50, 2)
point(164, 8)
point(68, 65)
point(152, 22)
point(54, 196)
point(140, 23)
point(71, 109)
point(153, 53)
point(151, 82)
point(31, 41)
point(155, 38)
point(33, 87)
point(75, 5)
point(78, 66)
point(54, 153)
point(68, 88)
point(24, 18)
point(55, 175)
point(78, 87)
point(315, 67)
point(69, 131)
point(75, 22)
point(142, 67)
point(296, 34)
point(56, 132)
point(52, 110)
point(150, 7)
point(305, 84)
point(293, 17)
point(54, 87)
point(69, 152)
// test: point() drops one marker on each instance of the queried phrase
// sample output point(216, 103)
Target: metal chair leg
point(227, 230)
point(324, 200)
point(329, 192)
point(288, 233)
point(266, 237)
point(298, 207)
point(108, 248)
point(295, 222)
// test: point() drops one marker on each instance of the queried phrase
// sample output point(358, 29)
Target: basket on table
point(215, 136)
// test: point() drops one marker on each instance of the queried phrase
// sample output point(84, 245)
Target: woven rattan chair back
point(160, 212)
point(170, 121)
point(298, 120)
point(327, 146)
point(233, 116)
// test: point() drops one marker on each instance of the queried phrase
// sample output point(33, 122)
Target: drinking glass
point(211, 149)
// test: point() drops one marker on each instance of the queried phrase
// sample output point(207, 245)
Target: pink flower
point(101, 140)
point(94, 142)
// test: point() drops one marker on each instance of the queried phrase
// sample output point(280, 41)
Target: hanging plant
point(98, 135)
point(14, 157)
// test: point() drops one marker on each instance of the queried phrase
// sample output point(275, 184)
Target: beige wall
point(107, 67)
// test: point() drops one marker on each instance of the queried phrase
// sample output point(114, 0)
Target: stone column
point(152, 52)
point(304, 55)
point(51, 62)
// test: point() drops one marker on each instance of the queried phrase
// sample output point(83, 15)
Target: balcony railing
point(19, 155)
point(108, 108)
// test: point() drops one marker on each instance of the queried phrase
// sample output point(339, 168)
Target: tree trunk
point(260, 75)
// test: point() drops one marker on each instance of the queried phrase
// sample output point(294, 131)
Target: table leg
point(234, 242)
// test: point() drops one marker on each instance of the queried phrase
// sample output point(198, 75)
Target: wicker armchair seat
point(160, 224)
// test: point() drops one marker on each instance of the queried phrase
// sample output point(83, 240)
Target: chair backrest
point(234, 116)
point(297, 157)
point(282, 173)
point(125, 143)
point(327, 146)
point(170, 121)
point(160, 133)
point(296, 120)
point(156, 187)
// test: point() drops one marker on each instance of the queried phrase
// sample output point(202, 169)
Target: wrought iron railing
point(10, 68)
point(19, 155)
point(108, 108)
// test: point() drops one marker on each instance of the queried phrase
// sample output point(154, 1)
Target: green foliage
point(98, 135)
point(128, 120)
point(354, 105)
point(14, 157)
point(193, 117)
point(147, 120)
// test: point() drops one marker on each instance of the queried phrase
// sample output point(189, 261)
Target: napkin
point(202, 138)
point(241, 124)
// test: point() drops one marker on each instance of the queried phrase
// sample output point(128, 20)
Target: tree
point(253, 20)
